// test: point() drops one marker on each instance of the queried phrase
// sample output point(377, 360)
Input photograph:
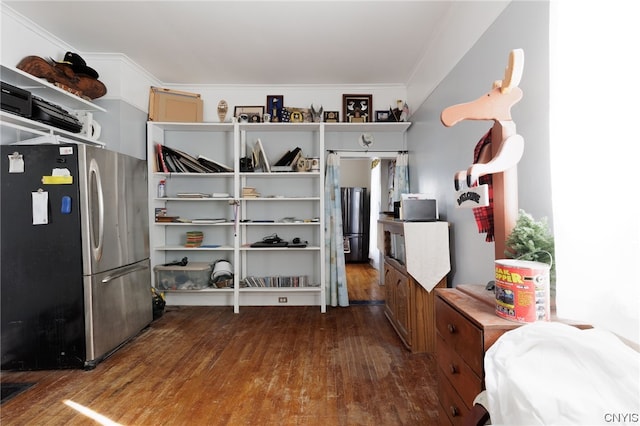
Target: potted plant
point(532, 240)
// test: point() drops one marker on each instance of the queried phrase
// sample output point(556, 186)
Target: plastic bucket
point(522, 290)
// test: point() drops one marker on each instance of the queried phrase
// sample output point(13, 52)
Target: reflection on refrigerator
point(355, 224)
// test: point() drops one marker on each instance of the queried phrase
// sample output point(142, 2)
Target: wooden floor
point(263, 366)
point(362, 283)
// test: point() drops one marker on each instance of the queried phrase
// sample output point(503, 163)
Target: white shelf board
point(22, 124)
point(367, 127)
point(45, 90)
point(193, 127)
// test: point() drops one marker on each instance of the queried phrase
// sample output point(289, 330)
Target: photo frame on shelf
point(332, 116)
point(299, 115)
point(275, 105)
point(249, 114)
point(383, 116)
point(357, 108)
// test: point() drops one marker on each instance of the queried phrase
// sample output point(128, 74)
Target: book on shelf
point(161, 165)
point(167, 219)
point(172, 160)
point(194, 239)
point(260, 161)
point(249, 192)
point(287, 158)
point(214, 165)
point(288, 162)
point(193, 195)
point(209, 220)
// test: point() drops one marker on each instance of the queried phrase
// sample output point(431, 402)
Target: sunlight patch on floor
point(90, 413)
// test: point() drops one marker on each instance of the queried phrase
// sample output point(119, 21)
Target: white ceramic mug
point(90, 128)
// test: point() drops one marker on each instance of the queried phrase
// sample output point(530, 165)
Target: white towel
point(427, 252)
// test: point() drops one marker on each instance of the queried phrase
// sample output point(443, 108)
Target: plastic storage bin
point(193, 276)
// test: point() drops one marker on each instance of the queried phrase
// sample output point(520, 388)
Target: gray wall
point(436, 152)
point(124, 127)
point(355, 172)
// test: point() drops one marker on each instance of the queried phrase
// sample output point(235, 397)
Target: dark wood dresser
point(466, 327)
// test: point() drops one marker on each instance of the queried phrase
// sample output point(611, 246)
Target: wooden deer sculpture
point(501, 156)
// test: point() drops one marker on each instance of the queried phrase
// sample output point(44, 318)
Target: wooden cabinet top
point(477, 305)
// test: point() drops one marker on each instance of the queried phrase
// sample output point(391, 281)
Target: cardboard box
point(174, 106)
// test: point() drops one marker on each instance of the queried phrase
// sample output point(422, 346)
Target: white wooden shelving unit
point(289, 205)
point(17, 129)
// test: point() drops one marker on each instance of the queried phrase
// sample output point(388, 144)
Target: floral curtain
point(401, 176)
point(336, 276)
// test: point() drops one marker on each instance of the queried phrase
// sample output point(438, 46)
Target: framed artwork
point(299, 115)
point(382, 116)
point(357, 108)
point(275, 104)
point(249, 114)
point(332, 116)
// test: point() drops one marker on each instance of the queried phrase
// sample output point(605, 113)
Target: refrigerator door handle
point(124, 271)
point(94, 174)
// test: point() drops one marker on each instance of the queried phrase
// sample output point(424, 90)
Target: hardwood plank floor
point(363, 283)
point(263, 366)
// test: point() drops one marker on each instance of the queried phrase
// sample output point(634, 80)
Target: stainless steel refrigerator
point(355, 224)
point(75, 274)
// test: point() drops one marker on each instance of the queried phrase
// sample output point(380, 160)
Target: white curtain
point(336, 276)
point(401, 176)
point(376, 196)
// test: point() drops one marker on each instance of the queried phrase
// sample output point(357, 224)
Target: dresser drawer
point(451, 367)
point(451, 402)
point(461, 335)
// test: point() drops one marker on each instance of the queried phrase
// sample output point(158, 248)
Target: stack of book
point(194, 239)
point(288, 162)
point(249, 192)
point(171, 160)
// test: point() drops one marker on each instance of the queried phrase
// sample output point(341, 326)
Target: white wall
point(355, 172)
point(436, 152)
point(444, 49)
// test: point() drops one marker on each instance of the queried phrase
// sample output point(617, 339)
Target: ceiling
point(255, 42)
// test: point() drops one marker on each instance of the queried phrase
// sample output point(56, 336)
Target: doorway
point(367, 170)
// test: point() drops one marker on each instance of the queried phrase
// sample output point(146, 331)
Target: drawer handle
point(453, 369)
point(454, 411)
point(452, 328)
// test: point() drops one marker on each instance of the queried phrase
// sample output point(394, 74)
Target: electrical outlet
point(282, 300)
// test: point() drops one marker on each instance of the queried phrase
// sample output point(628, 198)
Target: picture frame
point(383, 116)
point(254, 113)
point(332, 116)
point(275, 105)
point(357, 108)
point(299, 115)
